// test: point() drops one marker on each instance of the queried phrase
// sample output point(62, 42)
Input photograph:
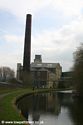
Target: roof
point(44, 65)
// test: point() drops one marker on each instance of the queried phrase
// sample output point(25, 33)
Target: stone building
point(44, 75)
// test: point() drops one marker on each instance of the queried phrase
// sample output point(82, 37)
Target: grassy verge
point(8, 110)
point(5, 90)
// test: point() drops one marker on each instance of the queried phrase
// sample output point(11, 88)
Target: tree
point(6, 73)
point(78, 69)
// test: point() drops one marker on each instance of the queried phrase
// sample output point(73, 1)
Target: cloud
point(59, 44)
point(11, 51)
point(13, 38)
point(10, 60)
point(68, 7)
point(20, 7)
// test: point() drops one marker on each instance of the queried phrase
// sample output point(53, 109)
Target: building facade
point(44, 75)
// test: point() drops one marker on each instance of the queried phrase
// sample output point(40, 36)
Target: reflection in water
point(77, 111)
point(52, 109)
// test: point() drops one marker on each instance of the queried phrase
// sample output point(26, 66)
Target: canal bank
point(8, 109)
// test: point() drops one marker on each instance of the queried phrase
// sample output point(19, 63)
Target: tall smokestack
point(27, 45)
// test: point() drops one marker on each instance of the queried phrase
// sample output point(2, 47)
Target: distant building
point(66, 80)
point(43, 74)
point(19, 71)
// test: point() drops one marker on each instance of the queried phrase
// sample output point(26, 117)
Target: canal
point(54, 108)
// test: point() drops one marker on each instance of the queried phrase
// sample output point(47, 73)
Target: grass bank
point(8, 110)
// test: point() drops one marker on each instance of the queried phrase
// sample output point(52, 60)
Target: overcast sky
point(57, 30)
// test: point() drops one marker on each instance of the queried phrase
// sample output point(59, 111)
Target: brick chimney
point(27, 44)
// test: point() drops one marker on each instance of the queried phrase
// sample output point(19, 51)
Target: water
point(51, 109)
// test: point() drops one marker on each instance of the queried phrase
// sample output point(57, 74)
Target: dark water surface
point(51, 109)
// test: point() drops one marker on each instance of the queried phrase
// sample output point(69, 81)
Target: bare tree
point(78, 69)
point(6, 73)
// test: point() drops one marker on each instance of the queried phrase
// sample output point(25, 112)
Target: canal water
point(55, 108)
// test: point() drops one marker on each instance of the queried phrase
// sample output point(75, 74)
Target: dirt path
point(3, 95)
